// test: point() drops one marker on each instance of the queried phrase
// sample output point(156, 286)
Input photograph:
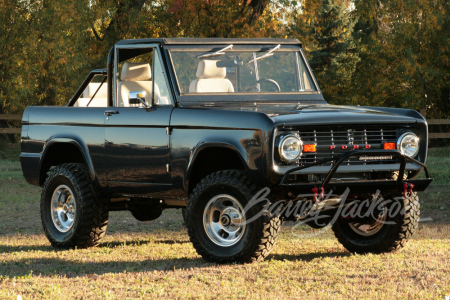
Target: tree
point(397, 54)
point(16, 37)
point(49, 46)
point(326, 27)
point(404, 54)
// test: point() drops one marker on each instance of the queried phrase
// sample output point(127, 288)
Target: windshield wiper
point(267, 54)
point(220, 52)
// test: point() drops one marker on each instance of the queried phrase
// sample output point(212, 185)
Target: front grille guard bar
point(340, 159)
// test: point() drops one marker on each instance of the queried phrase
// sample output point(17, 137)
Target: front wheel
point(71, 212)
point(389, 227)
point(217, 222)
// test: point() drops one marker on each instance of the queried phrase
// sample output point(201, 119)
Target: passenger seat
point(211, 79)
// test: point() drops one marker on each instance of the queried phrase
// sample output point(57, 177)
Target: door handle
point(111, 112)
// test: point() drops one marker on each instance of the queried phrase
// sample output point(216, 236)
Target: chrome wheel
point(369, 229)
point(224, 220)
point(63, 208)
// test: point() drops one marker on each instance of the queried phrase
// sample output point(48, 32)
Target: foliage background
point(366, 52)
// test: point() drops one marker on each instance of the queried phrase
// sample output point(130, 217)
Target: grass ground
point(155, 259)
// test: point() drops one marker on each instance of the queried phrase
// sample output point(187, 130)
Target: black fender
point(72, 140)
point(237, 149)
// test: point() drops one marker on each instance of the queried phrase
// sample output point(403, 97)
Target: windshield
point(226, 70)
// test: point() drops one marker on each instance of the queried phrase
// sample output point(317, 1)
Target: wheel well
point(57, 154)
point(212, 160)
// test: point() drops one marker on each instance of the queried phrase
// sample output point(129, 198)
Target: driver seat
point(211, 79)
point(136, 77)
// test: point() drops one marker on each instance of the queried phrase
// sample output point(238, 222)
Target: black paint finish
point(137, 149)
point(154, 152)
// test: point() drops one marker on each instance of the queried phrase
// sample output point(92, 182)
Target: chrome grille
point(349, 137)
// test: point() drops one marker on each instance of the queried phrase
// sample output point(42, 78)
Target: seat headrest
point(208, 69)
point(136, 72)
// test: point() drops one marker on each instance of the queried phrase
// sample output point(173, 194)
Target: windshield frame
point(288, 97)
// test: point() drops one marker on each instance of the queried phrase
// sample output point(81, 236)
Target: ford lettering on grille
point(331, 143)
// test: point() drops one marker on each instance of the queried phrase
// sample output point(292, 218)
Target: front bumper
point(364, 186)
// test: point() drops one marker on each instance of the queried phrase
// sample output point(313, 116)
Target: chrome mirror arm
point(139, 95)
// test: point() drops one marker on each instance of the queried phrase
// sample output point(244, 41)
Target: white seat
point(96, 102)
point(93, 87)
point(211, 79)
point(135, 78)
point(100, 99)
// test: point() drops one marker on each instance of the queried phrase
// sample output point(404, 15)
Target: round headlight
point(290, 148)
point(408, 144)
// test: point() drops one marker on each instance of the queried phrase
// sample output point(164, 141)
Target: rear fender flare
point(78, 143)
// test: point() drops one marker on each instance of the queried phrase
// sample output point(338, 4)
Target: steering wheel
point(273, 82)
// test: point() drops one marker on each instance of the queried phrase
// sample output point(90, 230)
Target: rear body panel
point(81, 127)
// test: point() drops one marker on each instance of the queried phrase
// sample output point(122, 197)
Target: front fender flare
point(239, 151)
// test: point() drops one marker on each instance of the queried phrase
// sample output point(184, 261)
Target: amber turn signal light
point(309, 148)
point(389, 146)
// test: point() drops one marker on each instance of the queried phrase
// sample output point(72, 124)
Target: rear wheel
point(72, 213)
point(387, 230)
point(217, 223)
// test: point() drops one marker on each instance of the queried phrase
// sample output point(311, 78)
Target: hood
point(322, 114)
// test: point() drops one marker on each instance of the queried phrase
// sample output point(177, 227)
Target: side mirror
point(138, 97)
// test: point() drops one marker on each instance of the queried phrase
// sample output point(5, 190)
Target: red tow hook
point(407, 188)
point(315, 190)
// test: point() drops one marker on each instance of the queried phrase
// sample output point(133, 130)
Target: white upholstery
point(125, 87)
point(211, 86)
point(135, 78)
point(92, 88)
point(208, 69)
point(210, 79)
point(306, 81)
point(136, 72)
point(99, 99)
point(96, 102)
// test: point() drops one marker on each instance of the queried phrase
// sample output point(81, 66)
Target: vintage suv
point(225, 129)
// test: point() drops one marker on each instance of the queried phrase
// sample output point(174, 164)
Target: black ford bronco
point(236, 133)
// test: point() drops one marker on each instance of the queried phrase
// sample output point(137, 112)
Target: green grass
point(9, 152)
point(156, 260)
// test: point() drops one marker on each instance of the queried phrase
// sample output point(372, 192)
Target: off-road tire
point(391, 237)
point(259, 236)
point(91, 218)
